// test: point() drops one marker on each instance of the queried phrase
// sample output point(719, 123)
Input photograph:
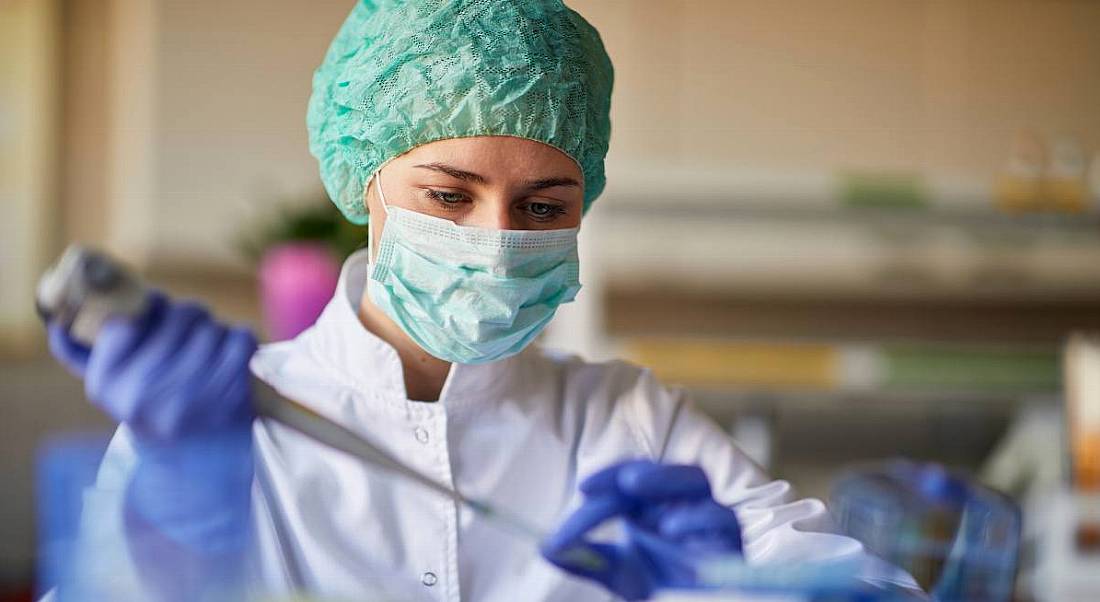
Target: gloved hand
point(180, 382)
point(170, 372)
point(671, 523)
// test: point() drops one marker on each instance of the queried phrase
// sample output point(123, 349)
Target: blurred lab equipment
point(1067, 546)
point(1067, 517)
point(1082, 367)
point(1064, 182)
point(1050, 459)
point(1019, 184)
point(960, 540)
point(1038, 176)
point(734, 580)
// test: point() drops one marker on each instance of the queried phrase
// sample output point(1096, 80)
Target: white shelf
point(852, 253)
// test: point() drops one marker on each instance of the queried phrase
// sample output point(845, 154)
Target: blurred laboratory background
point(856, 230)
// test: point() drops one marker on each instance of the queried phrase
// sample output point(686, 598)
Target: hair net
point(401, 73)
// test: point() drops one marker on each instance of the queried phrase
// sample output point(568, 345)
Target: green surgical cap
point(402, 73)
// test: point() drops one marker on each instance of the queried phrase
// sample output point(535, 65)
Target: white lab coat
point(521, 432)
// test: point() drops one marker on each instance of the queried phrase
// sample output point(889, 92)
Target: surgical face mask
point(470, 295)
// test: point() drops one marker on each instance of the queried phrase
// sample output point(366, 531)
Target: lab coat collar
point(368, 363)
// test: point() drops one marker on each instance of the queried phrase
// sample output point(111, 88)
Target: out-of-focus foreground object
point(89, 542)
point(1082, 365)
point(958, 539)
point(66, 469)
point(83, 289)
point(97, 543)
point(1067, 518)
point(732, 579)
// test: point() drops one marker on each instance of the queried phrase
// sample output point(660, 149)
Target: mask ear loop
point(377, 179)
point(381, 195)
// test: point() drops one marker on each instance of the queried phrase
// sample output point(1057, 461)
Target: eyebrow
point(552, 182)
point(469, 176)
point(454, 172)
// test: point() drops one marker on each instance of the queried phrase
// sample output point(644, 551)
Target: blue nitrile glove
point(180, 382)
point(171, 372)
point(671, 523)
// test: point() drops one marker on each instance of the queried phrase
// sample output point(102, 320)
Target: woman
point(470, 135)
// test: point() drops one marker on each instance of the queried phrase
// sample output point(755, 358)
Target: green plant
point(314, 221)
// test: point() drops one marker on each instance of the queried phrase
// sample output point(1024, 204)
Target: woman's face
point(495, 182)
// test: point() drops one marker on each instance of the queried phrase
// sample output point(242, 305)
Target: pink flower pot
point(297, 280)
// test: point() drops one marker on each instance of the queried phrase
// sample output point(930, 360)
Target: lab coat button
point(421, 434)
point(428, 579)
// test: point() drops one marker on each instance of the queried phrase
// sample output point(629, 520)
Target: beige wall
point(232, 86)
point(904, 84)
point(703, 86)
